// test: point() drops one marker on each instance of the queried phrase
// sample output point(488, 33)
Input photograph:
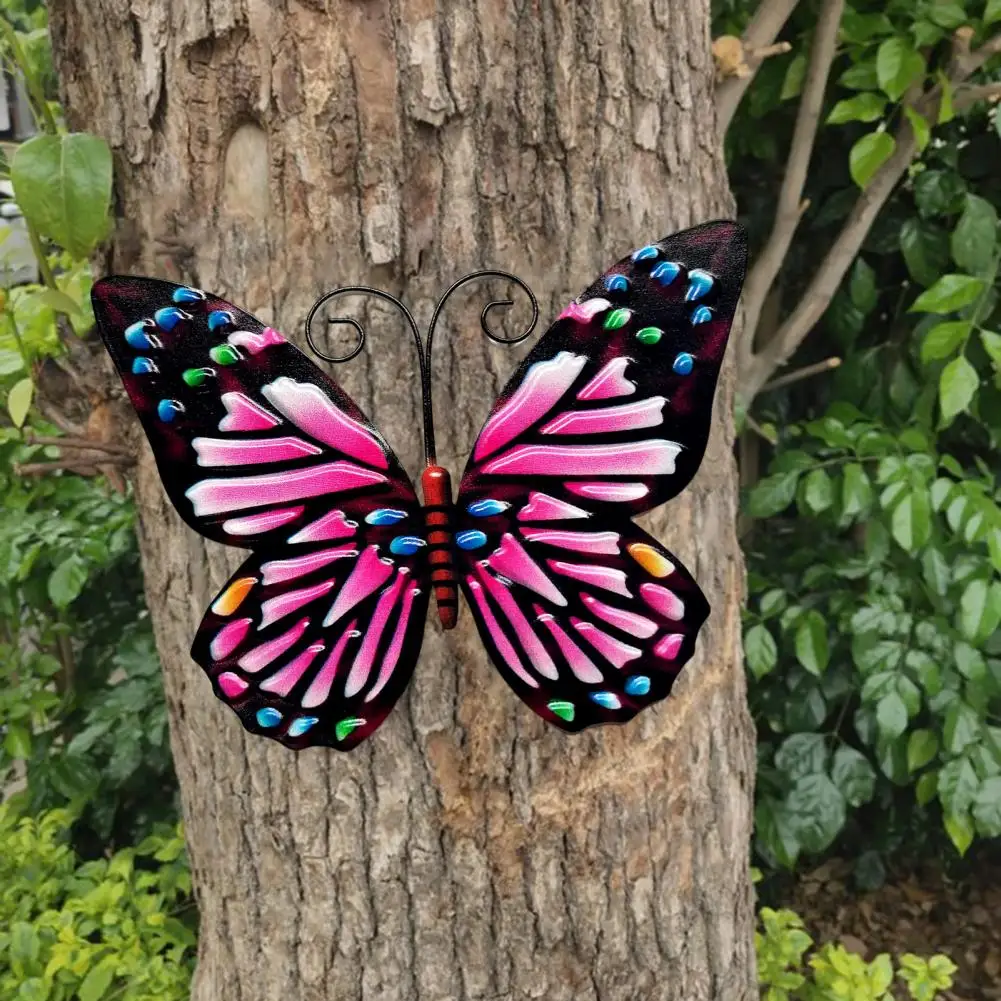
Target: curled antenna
point(423, 350)
point(359, 329)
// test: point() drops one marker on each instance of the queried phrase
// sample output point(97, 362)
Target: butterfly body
point(314, 638)
point(438, 520)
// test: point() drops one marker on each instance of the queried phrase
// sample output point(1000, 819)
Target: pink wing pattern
point(316, 636)
point(586, 616)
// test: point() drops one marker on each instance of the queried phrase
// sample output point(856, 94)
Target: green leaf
point(910, 522)
point(818, 491)
point(987, 808)
point(925, 788)
point(869, 154)
point(923, 247)
point(760, 650)
point(19, 401)
point(853, 775)
point(862, 286)
point(772, 494)
point(793, 82)
point(802, 754)
point(17, 743)
point(946, 15)
point(944, 338)
point(861, 76)
point(962, 727)
point(978, 611)
point(59, 301)
point(946, 108)
point(63, 186)
point(957, 386)
point(817, 809)
point(891, 716)
point(960, 831)
point(10, 362)
point(936, 569)
point(811, 642)
point(66, 581)
point(949, 293)
point(992, 345)
point(993, 12)
point(856, 27)
point(866, 107)
point(98, 980)
point(919, 126)
point(922, 746)
point(856, 492)
point(975, 237)
point(898, 65)
point(939, 192)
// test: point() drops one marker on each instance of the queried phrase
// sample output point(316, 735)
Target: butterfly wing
point(588, 617)
point(257, 448)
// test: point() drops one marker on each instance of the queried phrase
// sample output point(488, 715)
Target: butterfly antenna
point(423, 350)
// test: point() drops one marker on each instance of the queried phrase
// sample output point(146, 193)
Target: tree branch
point(791, 205)
point(85, 444)
point(761, 32)
point(817, 297)
point(82, 467)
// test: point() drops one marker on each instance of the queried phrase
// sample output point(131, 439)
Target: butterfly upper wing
point(588, 617)
point(257, 448)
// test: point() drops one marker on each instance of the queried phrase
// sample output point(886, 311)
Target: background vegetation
point(872, 528)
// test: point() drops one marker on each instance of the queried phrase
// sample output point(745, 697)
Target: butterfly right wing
point(316, 635)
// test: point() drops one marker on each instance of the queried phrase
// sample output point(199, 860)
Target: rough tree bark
point(271, 151)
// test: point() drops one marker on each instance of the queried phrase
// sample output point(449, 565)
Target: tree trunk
point(270, 152)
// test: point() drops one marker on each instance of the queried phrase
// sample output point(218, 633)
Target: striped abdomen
point(437, 486)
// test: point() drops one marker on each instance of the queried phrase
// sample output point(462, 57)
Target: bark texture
point(271, 151)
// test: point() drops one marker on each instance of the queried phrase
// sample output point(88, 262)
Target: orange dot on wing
point(231, 599)
point(654, 562)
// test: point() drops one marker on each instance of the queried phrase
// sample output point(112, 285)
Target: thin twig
point(790, 204)
point(970, 93)
point(81, 468)
point(78, 443)
point(801, 373)
point(818, 294)
point(762, 30)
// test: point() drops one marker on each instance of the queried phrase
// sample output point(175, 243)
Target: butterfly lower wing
point(607, 417)
point(254, 444)
point(314, 647)
point(588, 623)
point(257, 448)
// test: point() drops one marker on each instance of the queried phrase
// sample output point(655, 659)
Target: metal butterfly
point(588, 618)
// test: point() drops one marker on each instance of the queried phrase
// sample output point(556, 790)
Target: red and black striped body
point(437, 487)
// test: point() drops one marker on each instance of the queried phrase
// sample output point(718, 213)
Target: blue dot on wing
point(268, 717)
point(487, 507)
point(683, 363)
point(638, 684)
point(471, 539)
point(406, 545)
point(385, 516)
point(607, 700)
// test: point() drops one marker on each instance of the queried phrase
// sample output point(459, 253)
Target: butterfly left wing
point(586, 616)
point(315, 637)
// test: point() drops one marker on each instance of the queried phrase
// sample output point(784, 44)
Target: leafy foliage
point(82, 717)
point(872, 640)
point(115, 927)
point(788, 971)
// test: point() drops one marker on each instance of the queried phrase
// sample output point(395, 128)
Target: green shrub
point(789, 971)
point(110, 928)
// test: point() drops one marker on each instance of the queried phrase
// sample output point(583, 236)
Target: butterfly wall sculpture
point(588, 618)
